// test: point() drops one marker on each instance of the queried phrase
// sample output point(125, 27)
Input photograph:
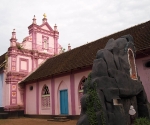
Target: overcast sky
point(78, 21)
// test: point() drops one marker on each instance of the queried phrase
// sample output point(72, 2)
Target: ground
point(33, 121)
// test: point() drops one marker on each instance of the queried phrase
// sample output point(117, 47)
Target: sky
point(78, 21)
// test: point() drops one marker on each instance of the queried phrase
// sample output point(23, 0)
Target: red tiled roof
point(2, 59)
point(84, 55)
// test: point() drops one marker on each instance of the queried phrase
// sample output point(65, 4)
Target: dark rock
point(111, 93)
point(109, 106)
point(113, 86)
point(125, 83)
point(142, 98)
point(99, 68)
point(101, 98)
point(104, 54)
point(124, 65)
point(110, 44)
point(143, 110)
point(119, 115)
point(99, 117)
point(83, 120)
point(128, 37)
point(83, 102)
point(111, 117)
point(104, 82)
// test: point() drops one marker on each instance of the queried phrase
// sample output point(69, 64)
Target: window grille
point(45, 97)
point(80, 90)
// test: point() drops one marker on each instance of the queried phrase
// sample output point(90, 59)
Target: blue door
point(64, 102)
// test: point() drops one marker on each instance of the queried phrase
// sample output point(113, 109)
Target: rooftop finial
point(44, 19)
point(44, 15)
point(55, 27)
point(13, 38)
point(14, 34)
point(69, 47)
point(34, 20)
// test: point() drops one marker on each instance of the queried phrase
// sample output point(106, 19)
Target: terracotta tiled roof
point(84, 55)
point(2, 61)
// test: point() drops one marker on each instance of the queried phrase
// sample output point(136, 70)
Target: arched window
point(80, 89)
point(45, 43)
point(131, 59)
point(45, 100)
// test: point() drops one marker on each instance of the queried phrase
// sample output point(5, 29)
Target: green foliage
point(142, 121)
point(93, 103)
point(19, 46)
point(62, 50)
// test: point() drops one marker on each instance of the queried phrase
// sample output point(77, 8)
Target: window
point(147, 64)
point(31, 88)
point(45, 42)
point(45, 97)
point(80, 90)
point(23, 65)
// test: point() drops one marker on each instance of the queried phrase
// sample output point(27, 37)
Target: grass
point(33, 121)
point(142, 121)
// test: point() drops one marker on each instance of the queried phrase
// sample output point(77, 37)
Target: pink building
point(23, 58)
point(57, 83)
point(55, 87)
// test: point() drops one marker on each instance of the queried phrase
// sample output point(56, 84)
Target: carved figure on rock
point(113, 86)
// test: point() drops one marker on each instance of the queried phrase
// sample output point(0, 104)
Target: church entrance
point(64, 102)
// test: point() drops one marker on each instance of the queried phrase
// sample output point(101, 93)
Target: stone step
point(59, 120)
point(60, 117)
point(1, 110)
point(3, 115)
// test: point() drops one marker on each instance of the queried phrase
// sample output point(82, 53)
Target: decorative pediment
point(46, 26)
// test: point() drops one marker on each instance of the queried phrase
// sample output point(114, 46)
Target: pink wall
point(51, 45)
point(31, 99)
point(27, 45)
point(21, 62)
point(55, 85)
point(46, 111)
point(40, 40)
point(6, 92)
point(45, 27)
point(53, 95)
point(29, 63)
point(144, 74)
point(23, 65)
point(78, 77)
point(60, 84)
point(40, 61)
point(66, 82)
point(9, 64)
point(20, 98)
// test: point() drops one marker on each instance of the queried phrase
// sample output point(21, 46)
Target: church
point(23, 58)
point(39, 79)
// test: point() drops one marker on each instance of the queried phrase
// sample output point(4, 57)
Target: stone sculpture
point(113, 86)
